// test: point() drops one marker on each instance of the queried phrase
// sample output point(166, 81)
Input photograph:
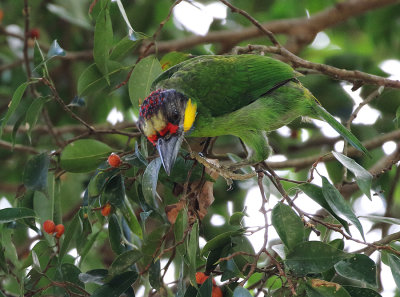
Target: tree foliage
point(65, 65)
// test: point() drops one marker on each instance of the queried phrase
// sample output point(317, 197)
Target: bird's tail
point(322, 114)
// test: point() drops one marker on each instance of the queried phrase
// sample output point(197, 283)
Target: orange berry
point(105, 211)
point(60, 230)
point(216, 292)
point(201, 277)
point(49, 226)
point(114, 160)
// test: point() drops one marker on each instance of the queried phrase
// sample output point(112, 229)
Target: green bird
point(245, 96)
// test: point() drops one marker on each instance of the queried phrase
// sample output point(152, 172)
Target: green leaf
point(205, 290)
point(84, 155)
point(124, 261)
point(315, 193)
point(379, 219)
point(141, 79)
point(149, 182)
point(325, 289)
point(70, 273)
point(33, 113)
point(92, 80)
point(117, 285)
point(313, 257)
point(180, 226)
point(124, 47)
point(236, 218)
point(55, 50)
point(11, 214)
point(73, 230)
point(73, 12)
point(35, 172)
point(359, 267)
point(12, 106)
point(361, 292)
point(288, 225)
point(363, 177)
point(193, 248)
point(115, 235)
point(155, 275)
point(103, 38)
point(114, 192)
point(39, 61)
point(241, 292)
point(339, 205)
point(172, 58)
point(394, 263)
point(98, 182)
point(220, 240)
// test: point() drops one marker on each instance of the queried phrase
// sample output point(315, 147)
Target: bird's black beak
point(168, 150)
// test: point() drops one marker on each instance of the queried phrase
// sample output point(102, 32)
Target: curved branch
point(301, 28)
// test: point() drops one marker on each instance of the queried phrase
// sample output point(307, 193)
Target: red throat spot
point(171, 128)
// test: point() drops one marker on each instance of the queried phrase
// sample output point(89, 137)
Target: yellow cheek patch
point(190, 115)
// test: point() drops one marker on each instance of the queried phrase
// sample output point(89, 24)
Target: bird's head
point(164, 117)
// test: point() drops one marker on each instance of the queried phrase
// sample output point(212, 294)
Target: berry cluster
point(51, 228)
point(201, 277)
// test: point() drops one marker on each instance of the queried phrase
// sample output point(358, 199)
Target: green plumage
point(244, 96)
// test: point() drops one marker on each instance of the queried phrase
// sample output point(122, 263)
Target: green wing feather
point(222, 84)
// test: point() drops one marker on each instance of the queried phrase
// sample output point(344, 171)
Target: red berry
point(216, 292)
point(34, 33)
point(49, 226)
point(60, 230)
point(114, 160)
point(105, 211)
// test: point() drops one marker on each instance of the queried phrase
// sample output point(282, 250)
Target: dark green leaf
point(237, 218)
point(98, 182)
point(92, 80)
point(33, 112)
point(319, 288)
point(39, 61)
point(359, 267)
point(193, 248)
point(394, 263)
point(35, 172)
point(141, 79)
point(12, 106)
point(115, 235)
point(361, 292)
point(363, 177)
point(114, 192)
point(124, 261)
point(55, 50)
point(339, 205)
point(103, 37)
point(213, 258)
point(149, 182)
point(230, 270)
point(315, 193)
point(74, 230)
point(94, 276)
point(241, 292)
point(117, 285)
point(180, 226)
point(70, 273)
point(220, 240)
point(17, 213)
point(84, 155)
point(288, 225)
point(205, 289)
point(155, 275)
point(313, 257)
